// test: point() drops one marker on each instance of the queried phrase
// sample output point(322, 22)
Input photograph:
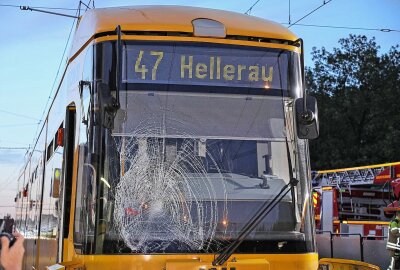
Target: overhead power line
point(83, 3)
point(13, 175)
point(58, 71)
point(13, 148)
point(19, 115)
point(250, 8)
point(48, 12)
point(18, 125)
point(55, 8)
point(311, 12)
point(7, 141)
point(386, 30)
point(92, 3)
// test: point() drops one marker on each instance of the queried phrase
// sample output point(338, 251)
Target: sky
point(32, 46)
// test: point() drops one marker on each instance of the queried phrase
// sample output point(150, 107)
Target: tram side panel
point(23, 199)
point(35, 194)
point(81, 69)
point(48, 240)
point(37, 201)
point(48, 251)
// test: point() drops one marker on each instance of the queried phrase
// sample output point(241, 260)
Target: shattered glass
point(184, 172)
point(165, 195)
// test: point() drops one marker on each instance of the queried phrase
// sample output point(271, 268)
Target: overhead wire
point(13, 148)
point(56, 77)
point(325, 2)
point(57, 8)
point(11, 176)
point(18, 125)
point(7, 141)
point(19, 115)
point(311, 12)
point(249, 10)
point(48, 12)
point(87, 6)
point(386, 30)
point(9, 179)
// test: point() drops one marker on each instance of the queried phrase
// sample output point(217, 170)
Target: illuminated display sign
point(182, 63)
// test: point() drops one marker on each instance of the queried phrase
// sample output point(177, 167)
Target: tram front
point(201, 161)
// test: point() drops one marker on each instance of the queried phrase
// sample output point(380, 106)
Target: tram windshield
point(185, 168)
point(186, 171)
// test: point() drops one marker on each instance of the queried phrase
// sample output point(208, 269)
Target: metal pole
point(362, 247)
point(331, 234)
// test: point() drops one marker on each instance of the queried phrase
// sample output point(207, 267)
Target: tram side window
point(31, 223)
point(85, 204)
point(50, 150)
point(58, 137)
point(85, 207)
point(19, 206)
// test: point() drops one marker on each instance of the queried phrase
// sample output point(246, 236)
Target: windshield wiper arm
point(266, 208)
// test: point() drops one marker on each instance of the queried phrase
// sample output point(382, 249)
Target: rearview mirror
point(307, 118)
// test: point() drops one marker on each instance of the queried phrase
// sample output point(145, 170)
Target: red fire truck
point(358, 200)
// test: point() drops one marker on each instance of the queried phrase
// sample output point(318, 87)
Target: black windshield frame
point(105, 63)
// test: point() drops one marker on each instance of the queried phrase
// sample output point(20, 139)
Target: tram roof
point(172, 19)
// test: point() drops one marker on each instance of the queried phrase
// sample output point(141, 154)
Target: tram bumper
point(244, 264)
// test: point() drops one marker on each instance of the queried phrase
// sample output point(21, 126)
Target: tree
point(358, 91)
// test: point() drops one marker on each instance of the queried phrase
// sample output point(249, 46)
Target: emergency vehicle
point(356, 200)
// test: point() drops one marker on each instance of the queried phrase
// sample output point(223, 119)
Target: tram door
point(57, 188)
point(66, 187)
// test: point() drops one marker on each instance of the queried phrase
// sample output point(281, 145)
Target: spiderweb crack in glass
point(165, 195)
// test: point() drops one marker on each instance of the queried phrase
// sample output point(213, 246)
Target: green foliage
point(358, 90)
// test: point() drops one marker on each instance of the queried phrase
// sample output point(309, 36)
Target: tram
point(177, 139)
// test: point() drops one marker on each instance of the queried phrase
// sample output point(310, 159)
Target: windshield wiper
point(266, 208)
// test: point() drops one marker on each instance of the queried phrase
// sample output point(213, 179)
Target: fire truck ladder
point(344, 180)
point(364, 175)
point(341, 190)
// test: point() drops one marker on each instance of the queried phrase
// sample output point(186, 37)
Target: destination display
point(185, 64)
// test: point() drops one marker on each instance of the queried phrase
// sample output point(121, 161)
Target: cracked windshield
point(189, 162)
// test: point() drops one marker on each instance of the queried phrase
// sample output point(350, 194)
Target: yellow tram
point(177, 140)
